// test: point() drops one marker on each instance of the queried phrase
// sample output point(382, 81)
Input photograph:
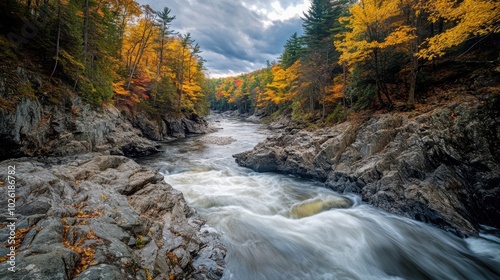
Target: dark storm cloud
point(234, 38)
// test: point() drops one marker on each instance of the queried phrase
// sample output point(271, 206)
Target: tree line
point(108, 51)
point(360, 54)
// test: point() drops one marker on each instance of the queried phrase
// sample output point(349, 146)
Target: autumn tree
point(466, 18)
point(164, 22)
point(374, 29)
point(278, 90)
point(126, 10)
point(319, 59)
point(139, 40)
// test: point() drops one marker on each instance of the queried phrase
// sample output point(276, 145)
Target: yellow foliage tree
point(284, 86)
point(368, 24)
point(469, 18)
point(374, 25)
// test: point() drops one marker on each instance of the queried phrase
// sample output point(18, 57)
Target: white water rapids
point(282, 227)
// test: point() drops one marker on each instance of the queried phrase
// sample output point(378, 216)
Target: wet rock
point(294, 152)
point(441, 167)
point(319, 204)
point(261, 161)
point(154, 130)
point(137, 149)
point(195, 125)
point(181, 127)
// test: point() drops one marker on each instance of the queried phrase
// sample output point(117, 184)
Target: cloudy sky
point(236, 36)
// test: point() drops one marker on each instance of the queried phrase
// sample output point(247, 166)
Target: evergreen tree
point(319, 63)
point(317, 22)
point(292, 51)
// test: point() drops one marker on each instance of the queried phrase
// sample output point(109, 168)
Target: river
point(283, 227)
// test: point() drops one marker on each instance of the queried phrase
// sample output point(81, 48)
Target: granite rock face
point(105, 217)
point(32, 129)
point(441, 167)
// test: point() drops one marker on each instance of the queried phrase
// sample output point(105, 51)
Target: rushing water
point(282, 227)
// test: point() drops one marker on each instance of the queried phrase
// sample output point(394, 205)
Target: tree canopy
point(116, 51)
point(364, 54)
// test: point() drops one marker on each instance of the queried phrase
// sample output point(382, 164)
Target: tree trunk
point(377, 78)
point(86, 33)
point(58, 37)
point(140, 52)
point(381, 85)
point(413, 76)
point(344, 83)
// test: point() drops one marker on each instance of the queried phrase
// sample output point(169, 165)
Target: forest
point(352, 55)
point(107, 51)
point(375, 54)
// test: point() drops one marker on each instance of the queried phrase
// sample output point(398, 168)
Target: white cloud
point(280, 13)
point(236, 37)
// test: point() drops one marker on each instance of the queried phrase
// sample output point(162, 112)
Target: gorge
point(101, 214)
point(367, 145)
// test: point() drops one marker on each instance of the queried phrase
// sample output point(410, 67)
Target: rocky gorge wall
point(441, 166)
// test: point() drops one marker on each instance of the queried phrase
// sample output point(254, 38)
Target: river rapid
point(282, 227)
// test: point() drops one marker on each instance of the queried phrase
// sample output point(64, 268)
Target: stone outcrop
point(32, 129)
point(441, 166)
point(169, 128)
point(104, 217)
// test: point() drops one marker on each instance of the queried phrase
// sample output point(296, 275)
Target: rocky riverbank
point(440, 166)
point(83, 209)
point(104, 217)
